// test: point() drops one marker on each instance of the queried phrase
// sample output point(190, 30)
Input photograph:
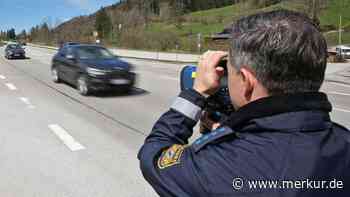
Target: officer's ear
point(249, 82)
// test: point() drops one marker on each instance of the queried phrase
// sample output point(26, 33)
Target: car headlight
point(94, 71)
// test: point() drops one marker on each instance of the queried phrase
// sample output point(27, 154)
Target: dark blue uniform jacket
point(287, 139)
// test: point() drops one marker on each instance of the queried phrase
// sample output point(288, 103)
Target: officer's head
point(279, 52)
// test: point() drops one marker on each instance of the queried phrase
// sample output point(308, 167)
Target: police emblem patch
point(170, 156)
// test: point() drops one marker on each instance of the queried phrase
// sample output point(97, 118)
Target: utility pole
point(340, 22)
point(313, 9)
point(340, 29)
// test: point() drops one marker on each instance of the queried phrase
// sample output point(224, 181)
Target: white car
point(343, 50)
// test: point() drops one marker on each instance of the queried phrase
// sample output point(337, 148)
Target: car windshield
point(94, 53)
point(15, 46)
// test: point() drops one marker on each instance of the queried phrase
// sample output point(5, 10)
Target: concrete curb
point(144, 55)
point(337, 81)
point(342, 77)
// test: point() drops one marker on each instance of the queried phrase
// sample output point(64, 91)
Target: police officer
point(281, 130)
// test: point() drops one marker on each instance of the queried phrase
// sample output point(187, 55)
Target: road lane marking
point(27, 102)
point(339, 93)
point(169, 78)
point(2, 77)
point(67, 139)
point(11, 86)
point(342, 110)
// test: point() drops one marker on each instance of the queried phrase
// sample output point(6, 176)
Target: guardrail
point(157, 56)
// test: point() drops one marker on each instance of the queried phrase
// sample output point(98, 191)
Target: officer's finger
point(216, 57)
point(206, 58)
point(220, 71)
point(215, 126)
point(203, 60)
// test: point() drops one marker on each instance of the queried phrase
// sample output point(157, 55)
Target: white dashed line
point(11, 86)
point(339, 93)
point(342, 110)
point(27, 102)
point(67, 139)
point(2, 77)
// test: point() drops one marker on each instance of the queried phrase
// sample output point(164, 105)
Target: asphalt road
point(55, 142)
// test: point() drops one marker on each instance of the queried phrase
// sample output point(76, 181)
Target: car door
point(71, 65)
point(8, 49)
point(59, 62)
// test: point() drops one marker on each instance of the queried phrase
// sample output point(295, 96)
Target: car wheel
point(83, 86)
point(125, 89)
point(55, 76)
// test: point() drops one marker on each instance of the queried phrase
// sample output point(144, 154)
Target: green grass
point(332, 38)
point(214, 20)
point(330, 16)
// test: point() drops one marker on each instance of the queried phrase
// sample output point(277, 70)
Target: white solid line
point(27, 102)
point(11, 86)
point(2, 77)
point(339, 93)
point(342, 110)
point(67, 139)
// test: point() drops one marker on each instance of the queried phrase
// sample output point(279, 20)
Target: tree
point(22, 35)
point(3, 35)
point(11, 34)
point(103, 23)
point(45, 33)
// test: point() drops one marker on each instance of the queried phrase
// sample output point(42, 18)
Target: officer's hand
point(206, 124)
point(208, 75)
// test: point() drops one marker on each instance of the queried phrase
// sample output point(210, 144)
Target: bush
point(325, 28)
point(141, 39)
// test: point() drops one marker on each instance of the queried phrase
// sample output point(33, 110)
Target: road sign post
point(199, 44)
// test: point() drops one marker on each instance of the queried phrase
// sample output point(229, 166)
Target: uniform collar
point(280, 105)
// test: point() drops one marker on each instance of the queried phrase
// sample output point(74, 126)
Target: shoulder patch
point(170, 156)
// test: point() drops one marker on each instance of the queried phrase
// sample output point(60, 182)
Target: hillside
point(131, 28)
point(215, 20)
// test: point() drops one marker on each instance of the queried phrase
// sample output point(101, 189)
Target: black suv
point(14, 51)
point(91, 67)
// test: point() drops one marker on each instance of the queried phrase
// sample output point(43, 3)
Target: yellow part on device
point(194, 74)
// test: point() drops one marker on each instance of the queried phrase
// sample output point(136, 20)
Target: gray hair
point(285, 49)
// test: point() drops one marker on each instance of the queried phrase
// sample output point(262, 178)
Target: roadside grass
point(213, 21)
point(330, 15)
point(332, 38)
